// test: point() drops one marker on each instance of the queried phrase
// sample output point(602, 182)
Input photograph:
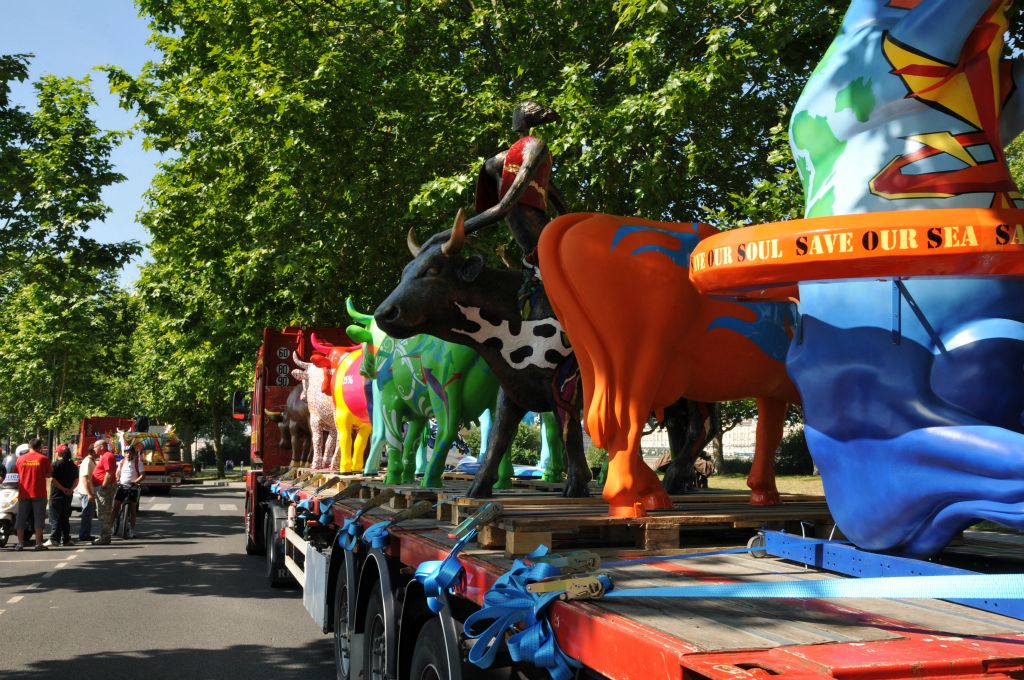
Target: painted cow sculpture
point(323, 428)
point(457, 297)
point(454, 295)
point(614, 279)
point(417, 378)
point(348, 389)
point(910, 109)
point(293, 423)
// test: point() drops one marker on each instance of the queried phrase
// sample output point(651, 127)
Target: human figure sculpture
point(910, 109)
point(515, 185)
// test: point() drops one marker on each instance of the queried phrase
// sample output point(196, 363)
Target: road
point(182, 601)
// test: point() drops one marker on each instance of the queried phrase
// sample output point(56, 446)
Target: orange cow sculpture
point(645, 337)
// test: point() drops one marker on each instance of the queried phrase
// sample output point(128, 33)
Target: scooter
point(8, 500)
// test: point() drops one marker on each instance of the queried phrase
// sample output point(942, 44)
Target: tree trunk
point(717, 448)
point(188, 440)
point(217, 448)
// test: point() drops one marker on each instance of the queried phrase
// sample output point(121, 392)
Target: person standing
point(130, 473)
point(33, 469)
point(105, 483)
point(86, 491)
point(65, 473)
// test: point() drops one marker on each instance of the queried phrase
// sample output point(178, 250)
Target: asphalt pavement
point(182, 601)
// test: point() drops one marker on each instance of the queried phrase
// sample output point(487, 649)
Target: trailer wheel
point(757, 542)
point(428, 659)
point(342, 632)
point(275, 554)
point(375, 649)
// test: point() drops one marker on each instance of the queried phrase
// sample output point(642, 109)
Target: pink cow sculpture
point(313, 374)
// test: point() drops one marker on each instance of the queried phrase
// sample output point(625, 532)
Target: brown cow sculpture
point(293, 423)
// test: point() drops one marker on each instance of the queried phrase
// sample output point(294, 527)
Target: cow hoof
point(576, 489)
point(637, 506)
point(479, 489)
point(765, 498)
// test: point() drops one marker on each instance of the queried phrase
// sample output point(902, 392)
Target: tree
point(60, 305)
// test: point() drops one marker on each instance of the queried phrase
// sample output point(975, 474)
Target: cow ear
point(471, 268)
point(298, 374)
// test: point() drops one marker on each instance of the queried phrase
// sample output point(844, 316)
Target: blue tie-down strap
point(348, 535)
point(508, 605)
point(439, 576)
point(325, 511)
point(376, 536)
point(293, 494)
point(273, 487)
point(305, 505)
point(958, 586)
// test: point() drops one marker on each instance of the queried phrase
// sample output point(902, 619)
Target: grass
point(210, 473)
point(803, 484)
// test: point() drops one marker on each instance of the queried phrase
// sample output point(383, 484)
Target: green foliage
point(472, 439)
point(525, 446)
point(303, 139)
point(794, 458)
point(65, 320)
point(736, 466)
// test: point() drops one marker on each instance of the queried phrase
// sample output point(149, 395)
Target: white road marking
point(15, 600)
point(33, 586)
point(231, 507)
point(56, 559)
point(193, 506)
point(71, 557)
point(61, 565)
point(2, 611)
point(160, 507)
point(49, 574)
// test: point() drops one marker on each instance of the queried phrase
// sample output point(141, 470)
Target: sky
point(70, 38)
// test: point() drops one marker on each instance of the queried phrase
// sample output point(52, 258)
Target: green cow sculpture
point(415, 379)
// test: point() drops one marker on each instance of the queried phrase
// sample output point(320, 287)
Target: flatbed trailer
point(383, 627)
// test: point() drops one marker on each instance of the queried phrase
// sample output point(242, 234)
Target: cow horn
point(410, 240)
point(458, 236)
point(299, 362)
point(356, 315)
point(317, 345)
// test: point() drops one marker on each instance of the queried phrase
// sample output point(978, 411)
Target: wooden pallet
point(462, 507)
point(524, 528)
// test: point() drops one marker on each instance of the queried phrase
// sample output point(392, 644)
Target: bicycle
point(127, 495)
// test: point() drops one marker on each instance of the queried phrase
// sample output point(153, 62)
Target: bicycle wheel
point(126, 526)
point(117, 522)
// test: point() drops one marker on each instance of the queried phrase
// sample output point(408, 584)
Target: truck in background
point(162, 474)
point(272, 383)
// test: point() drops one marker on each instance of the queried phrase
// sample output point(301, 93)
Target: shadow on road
point(314, 660)
point(206, 574)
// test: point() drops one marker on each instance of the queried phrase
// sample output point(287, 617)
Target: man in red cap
point(65, 474)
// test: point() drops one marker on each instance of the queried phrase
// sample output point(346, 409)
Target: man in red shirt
point(33, 469)
point(105, 484)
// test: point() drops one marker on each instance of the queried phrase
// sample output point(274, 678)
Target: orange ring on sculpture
point(766, 261)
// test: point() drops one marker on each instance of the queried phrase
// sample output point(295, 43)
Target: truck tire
point(429, 661)
point(375, 638)
point(342, 630)
point(252, 547)
point(275, 554)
